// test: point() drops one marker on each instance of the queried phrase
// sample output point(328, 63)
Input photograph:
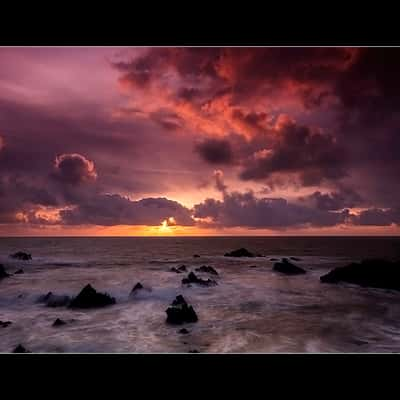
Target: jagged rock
point(58, 322)
point(20, 349)
point(196, 256)
point(369, 273)
point(180, 312)
point(20, 255)
point(242, 252)
point(288, 268)
point(20, 271)
point(183, 331)
point(193, 278)
point(4, 324)
point(90, 298)
point(137, 287)
point(3, 273)
point(54, 300)
point(208, 269)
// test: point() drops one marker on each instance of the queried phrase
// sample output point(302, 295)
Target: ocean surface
point(252, 309)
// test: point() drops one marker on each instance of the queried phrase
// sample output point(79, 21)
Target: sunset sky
point(199, 141)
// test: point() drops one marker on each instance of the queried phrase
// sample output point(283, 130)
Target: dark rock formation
point(90, 298)
point(369, 273)
point(4, 324)
point(183, 331)
point(194, 351)
point(208, 269)
point(196, 256)
point(182, 268)
point(273, 259)
point(295, 258)
point(3, 273)
point(173, 269)
point(20, 271)
point(239, 253)
point(20, 349)
point(180, 312)
point(193, 278)
point(54, 300)
point(58, 322)
point(137, 287)
point(288, 268)
point(20, 255)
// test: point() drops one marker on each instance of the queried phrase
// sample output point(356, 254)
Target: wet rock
point(242, 252)
point(20, 255)
point(182, 268)
point(137, 287)
point(180, 312)
point(273, 259)
point(369, 273)
point(173, 269)
point(3, 273)
point(196, 256)
point(4, 324)
point(183, 331)
point(288, 268)
point(59, 322)
point(194, 351)
point(193, 278)
point(90, 298)
point(208, 269)
point(20, 271)
point(295, 258)
point(54, 300)
point(20, 349)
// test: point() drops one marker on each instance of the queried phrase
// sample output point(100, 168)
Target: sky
point(199, 141)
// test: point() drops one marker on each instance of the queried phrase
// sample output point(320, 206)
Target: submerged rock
point(196, 256)
point(3, 273)
point(288, 268)
point(90, 298)
point(208, 269)
point(180, 312)
point(54, 300)
point(59, 322)
point(183, 331)
point(137, 287)
point(242, 252)
point(20, 349)
point(193, 278)
point(4, 324)
point(20, 271)
point(369, 273)
point(20, 255)
point(182, 268)
point(173, 269)
point(295, 258)
point(273, 259)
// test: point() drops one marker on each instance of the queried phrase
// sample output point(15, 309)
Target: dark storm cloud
point(108, 210)
point(215, 151)
point(74, 169)
point(244, 209)
point(313, 155)
point(377, 217)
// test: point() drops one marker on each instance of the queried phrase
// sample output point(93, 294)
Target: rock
point(90, 298)
point(194, 351)
point(20, 255)
point(20, 349)
point(182, 268)
point(183, 331)
point(196, 256)
point(239, 253)
point(4, 324)
point(137, 287)
point(173, 269)
point(369, 273)
point(295, 258)
point(208, 269)
point(180, 312)
point(3, 273)
point(58, 322)
point(273, 259)
point(288, 268)
point(20, 271)
point(54, 300)
point(193, 278)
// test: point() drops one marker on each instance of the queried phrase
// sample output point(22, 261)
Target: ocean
point(252, 309)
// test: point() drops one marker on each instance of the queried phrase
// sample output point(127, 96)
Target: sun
point(167, 224)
